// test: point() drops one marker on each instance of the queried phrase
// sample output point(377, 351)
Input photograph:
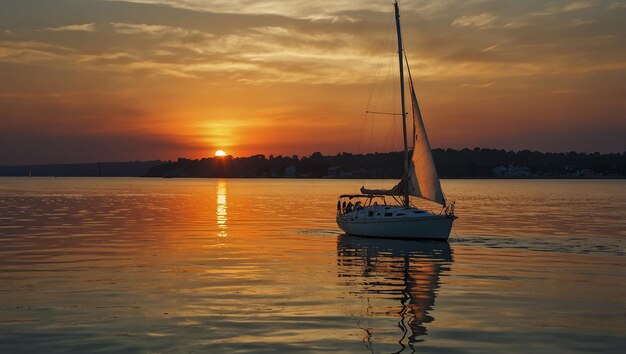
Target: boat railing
point(350, 202)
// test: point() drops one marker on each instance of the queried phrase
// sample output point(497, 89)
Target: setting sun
point(220, 153)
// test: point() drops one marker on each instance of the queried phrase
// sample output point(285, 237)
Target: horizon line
point(303, 156)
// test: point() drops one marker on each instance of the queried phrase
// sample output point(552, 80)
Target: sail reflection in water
point(221, 209)
point(396, 279)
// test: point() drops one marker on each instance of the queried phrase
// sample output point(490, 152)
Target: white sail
point(423, 181)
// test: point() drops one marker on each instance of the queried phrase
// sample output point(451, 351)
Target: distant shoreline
point(451, 164)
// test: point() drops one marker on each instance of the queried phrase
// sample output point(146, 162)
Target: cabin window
point(371, 213)
point(399, 214)
point(388, 214)
point(418, 211)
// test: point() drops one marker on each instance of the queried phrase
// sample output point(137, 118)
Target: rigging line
point(408, 68)
point(385, 82)
point(390, 133)
point(386, 113)
point(383, 88)
point(363, 135)
point(388, 76)
point(379, 65)
point(377, 75)
point(388, 140)
point(388, 143)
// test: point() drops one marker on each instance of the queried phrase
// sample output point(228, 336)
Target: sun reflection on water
point(221, 209)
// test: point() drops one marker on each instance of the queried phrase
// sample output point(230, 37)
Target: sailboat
point(389, 213)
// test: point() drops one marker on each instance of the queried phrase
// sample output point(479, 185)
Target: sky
point(100, 80)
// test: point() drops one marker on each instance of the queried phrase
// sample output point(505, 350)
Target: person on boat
point(338, 206)
point(349, 207)
point(343, 207)
point(358, 206)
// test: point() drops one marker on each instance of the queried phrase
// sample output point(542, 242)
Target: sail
point(422, 180)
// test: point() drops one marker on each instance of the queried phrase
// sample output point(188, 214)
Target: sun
point(220, 153)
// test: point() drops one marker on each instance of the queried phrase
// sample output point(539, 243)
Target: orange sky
point(98, 80)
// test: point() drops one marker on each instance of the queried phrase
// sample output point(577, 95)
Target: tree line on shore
point(465, 163)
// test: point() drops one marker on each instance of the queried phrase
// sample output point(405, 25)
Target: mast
point(406, 148)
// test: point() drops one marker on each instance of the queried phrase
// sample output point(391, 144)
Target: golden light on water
point(220, 153)
point(220, 211)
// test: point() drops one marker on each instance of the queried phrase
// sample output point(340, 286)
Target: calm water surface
point(156, 265)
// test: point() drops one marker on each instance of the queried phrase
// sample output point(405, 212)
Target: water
point(172, 265)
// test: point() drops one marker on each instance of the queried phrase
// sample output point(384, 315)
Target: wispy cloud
point(617, 5)
point(490, 48)
point(567, 7)
point(85, 27)
point(483, 20)
point(515, 24)
point(304, 9)
point(156, 30)
point(31, 52)
point(581, 22)
point(578, 5)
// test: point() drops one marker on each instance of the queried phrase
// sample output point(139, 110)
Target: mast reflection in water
point(396, 279)
point(221, 209)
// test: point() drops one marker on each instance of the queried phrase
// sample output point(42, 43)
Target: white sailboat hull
point(424, 225)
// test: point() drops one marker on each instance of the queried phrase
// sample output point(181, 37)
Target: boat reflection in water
point(396, 279)
point(221, 212)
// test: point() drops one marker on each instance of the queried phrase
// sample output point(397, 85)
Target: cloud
point(302, 9)
point(515, 25)
point(483, 20)
point(86, 27)
point(258, 49)
point(157, 30)
point(491, 47)
point(567, 7)
point(617, 5)
point(581, 22)
point(30, 52)
point(578, 5)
